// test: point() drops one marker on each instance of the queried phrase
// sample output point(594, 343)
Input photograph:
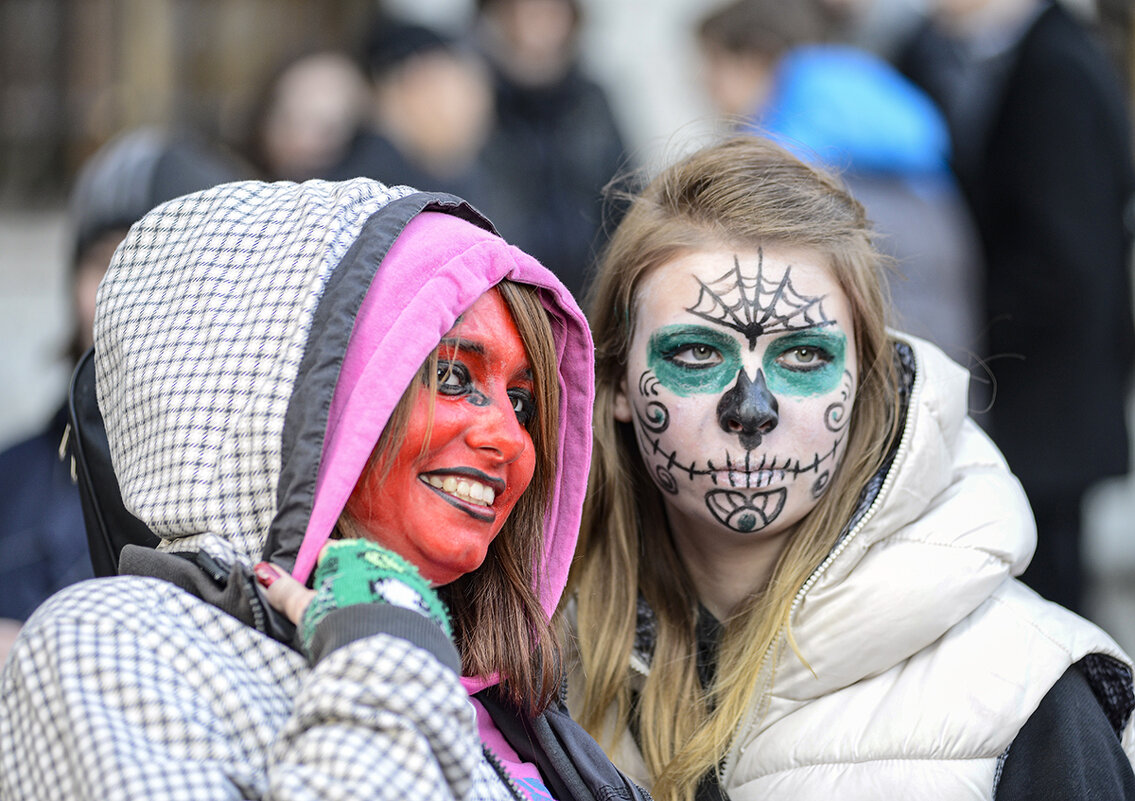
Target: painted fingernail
point(266, 573)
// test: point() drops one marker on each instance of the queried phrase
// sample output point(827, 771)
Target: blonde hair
point(499, 625)
point(744, 192)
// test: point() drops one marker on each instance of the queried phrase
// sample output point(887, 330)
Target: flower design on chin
point(745, 510)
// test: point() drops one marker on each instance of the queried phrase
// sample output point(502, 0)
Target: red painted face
point(444, 499)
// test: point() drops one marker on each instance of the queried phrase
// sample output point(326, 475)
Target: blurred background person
point(429, 118)
point(43, 541)
point(1043, 152)
point(881, 26)
point(768, 68)
point(503, 116)
point(557, 126)
point(307, 115)
point(430, 122)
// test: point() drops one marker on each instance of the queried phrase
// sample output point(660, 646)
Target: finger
point(284, 593)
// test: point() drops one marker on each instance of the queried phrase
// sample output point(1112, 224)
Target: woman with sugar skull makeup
point(354, 387)
point(797, 561)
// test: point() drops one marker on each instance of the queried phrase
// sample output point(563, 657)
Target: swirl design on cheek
point(836, 415)
point(820, 485)
point(746, 511)
point(665, 480)
point(656, 417)
point(648, 384)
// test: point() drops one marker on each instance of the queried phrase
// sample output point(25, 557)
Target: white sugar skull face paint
point(740, 382)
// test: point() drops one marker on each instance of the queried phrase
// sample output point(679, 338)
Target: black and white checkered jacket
point(220, 330)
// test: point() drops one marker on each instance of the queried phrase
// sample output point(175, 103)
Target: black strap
point(109, 525)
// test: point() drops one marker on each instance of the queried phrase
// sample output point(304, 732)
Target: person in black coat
point(556, 130)
point(43, 541)
point(1043, 153)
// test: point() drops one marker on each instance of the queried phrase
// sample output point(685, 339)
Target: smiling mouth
point(470, 495)
point(464, 489)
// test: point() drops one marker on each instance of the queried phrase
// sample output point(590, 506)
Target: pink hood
point(435, 270)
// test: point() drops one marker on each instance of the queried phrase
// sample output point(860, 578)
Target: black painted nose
point(748, 410)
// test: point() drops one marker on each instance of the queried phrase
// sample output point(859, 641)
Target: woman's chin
point(446, 571)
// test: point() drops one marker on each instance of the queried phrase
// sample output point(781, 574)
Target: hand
point(285, 594)
point(349, 572)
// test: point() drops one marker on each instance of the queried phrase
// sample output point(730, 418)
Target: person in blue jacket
point(770, 69)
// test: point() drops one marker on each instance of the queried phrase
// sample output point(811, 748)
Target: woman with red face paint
point(797, 558)
point(359, 423)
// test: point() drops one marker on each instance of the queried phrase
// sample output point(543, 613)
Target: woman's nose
point(748, 410)
point(497, 429)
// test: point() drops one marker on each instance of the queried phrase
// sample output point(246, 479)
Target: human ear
point(622, 409)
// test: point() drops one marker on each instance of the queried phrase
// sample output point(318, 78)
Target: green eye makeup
point(693, 359)
point(805, 363)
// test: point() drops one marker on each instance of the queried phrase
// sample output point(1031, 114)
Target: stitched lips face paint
point(740, 382)
point(452, 485)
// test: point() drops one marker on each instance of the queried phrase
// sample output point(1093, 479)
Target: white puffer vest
point(926, 655)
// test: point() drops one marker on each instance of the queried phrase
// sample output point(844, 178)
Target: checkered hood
point(220, 334)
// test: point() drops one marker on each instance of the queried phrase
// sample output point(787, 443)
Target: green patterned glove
point(359, 571)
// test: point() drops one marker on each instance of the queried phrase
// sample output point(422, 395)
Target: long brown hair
point(744, 192)
point(499, 625)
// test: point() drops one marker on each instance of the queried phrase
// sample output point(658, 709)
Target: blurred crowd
point(504, 116)
point(989, 141)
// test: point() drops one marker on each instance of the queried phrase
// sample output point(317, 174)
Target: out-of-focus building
point(75, 72)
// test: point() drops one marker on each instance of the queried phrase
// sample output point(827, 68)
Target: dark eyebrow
point(463, 344)
point(458, 344)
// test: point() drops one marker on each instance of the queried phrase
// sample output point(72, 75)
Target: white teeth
point(464, 489)
point(755, 480)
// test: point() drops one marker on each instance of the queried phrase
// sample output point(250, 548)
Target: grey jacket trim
point(305, 422)
point(344, 626)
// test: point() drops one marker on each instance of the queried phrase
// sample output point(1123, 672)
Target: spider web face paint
point(757, 305)
point(740, 386)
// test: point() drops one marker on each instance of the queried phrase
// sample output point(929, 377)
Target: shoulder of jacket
point(933, 726)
